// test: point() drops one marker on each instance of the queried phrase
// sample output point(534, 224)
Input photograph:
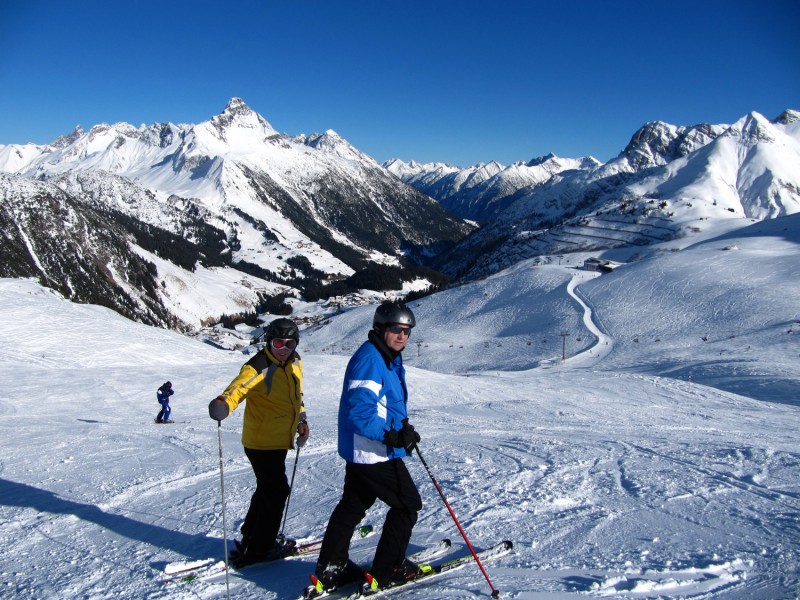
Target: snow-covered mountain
point(669, 182)
point(481, 191)
point(271, 215)
point(230, 192)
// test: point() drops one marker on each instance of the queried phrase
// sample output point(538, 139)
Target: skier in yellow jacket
point(272, 384)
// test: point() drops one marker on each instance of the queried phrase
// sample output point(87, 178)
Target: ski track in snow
point(610, 484)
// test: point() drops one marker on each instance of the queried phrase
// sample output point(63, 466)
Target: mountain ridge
point(300, 212)
point(287, 209)
point(667, 183)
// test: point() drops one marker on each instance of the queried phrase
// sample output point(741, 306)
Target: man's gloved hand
point(392, 439)
point(218, 409)
point(406, 438)
point(410, 436)
point(302, 433)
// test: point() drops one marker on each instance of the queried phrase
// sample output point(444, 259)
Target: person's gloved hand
point(392, 438)
point(218, 409)
point(410, 436)
point(302, 433)
point(406, 438)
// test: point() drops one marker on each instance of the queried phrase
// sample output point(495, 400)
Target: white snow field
point(660, 460)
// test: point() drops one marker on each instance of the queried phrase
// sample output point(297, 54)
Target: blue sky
point(459, 82)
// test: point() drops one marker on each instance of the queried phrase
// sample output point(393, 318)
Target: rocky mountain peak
point(65, 140)
point(657, 143)
point(237, 106)
point(788, 117)
point(534, 162)
point(238, 115)
point(752, 129)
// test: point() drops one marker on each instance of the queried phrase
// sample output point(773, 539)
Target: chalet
point(599, 264)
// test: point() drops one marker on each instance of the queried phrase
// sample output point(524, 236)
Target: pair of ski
point(426, 571)
point(183, 571)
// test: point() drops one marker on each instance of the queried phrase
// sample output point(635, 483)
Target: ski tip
point(447, 542)
point(507, 544)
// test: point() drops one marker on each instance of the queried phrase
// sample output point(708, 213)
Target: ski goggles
point(399, 329)
point(279, 343)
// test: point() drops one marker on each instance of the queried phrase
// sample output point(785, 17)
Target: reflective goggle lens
point(279, 343)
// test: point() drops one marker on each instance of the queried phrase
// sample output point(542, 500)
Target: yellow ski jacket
point(274, 394)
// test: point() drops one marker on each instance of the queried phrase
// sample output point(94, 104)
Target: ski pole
point(495, 592)
point(224, 523)
point(289, 497)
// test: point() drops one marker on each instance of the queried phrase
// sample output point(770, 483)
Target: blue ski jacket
point(164, 393)
point(374, 398)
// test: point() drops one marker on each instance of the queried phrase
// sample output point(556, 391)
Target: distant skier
point(163, 394)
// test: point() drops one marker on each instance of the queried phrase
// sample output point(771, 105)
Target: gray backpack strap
point(269, 373)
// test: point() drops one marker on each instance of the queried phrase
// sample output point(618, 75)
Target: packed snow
point(651, 451)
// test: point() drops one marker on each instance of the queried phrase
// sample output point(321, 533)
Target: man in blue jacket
point(374, 436)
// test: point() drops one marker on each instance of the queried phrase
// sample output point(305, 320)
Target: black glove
point(218, 409)
point(410, 435)
point(406, 438)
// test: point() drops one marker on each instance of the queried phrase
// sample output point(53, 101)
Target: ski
point(428, 571)
point(189, 571)
point(184, 571)
point(431, 552)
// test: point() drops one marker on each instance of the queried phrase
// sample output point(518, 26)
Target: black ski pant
point(263, 520)
point(389, 482)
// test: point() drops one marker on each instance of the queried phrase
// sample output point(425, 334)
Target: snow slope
point(614, 474)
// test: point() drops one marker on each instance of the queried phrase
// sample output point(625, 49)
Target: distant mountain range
point(668, 182)
point(480, 192)
point(132, 218)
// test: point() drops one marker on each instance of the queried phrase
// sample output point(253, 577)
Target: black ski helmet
point(283, 328)
point(392, 312)
point(168, 384)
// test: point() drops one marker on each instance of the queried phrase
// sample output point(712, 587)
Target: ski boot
point(400, 574)
point(332, 576)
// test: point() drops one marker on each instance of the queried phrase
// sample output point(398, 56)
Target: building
point(599, 264)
